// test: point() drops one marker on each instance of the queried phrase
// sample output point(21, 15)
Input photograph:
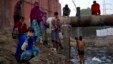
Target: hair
point(44, 13)
point(36, 3)
point(20, 1)
point(55, 13)
point(30, 29)
point(23, 18)
point(76, 38)
point(66, 5)
point(80, 38)
point(94, 1)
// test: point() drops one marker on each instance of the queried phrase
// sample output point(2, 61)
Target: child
point(25, 51)
point(80, 47)
point(56, 27)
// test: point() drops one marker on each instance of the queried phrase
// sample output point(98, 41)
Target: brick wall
point(7, 9)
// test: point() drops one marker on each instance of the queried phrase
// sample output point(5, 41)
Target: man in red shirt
point(95, 8)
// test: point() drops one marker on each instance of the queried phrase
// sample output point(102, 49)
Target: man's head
point(56, 14)
point(22, 19)
point(36, 4)
point(94, 2)
point(30, 31)
point(76, 38)
point(44, 13)
point(66, 5)
point(20, 1)
point(80, 38)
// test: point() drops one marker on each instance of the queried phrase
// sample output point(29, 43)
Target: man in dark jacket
point(66, 10)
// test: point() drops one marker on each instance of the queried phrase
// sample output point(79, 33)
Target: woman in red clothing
point(95, 8)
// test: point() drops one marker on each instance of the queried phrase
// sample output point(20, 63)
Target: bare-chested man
point(80, 46)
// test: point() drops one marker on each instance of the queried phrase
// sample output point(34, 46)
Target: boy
point(56, 28)
point(80, 47)
point(25, 53)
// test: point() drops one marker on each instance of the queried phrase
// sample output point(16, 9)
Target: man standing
point(55, 30)
point(66, 10)
point(95, 8)
point(80, 47)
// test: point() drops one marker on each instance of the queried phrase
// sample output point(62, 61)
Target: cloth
point(80, 52)
point(55, 36)
point(23, 28)
point(44, 24)
point(27, 55)
point(95, 9)
point(44, 35)
point(17, 25)
point(56, 26)
point(24, 45)
point(17, 18)
point(36, 14)
point(17, 9)
point(20, 42)
point(16, 30)
point(37, 30)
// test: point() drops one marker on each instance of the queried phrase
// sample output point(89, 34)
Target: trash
point(96, 59)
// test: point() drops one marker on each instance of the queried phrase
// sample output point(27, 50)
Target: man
point(95, 8)
point(35, 19)
point(66, 10)
point(25, 51)
point(55, 30)
point(80, 47)
point(17, 16)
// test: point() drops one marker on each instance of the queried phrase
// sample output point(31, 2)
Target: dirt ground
point(7, 51)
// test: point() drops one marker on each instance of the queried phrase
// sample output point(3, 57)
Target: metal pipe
point(84, 21)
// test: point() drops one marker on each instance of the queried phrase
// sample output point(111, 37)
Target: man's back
point(36, 13)
point(66, 11)
point(95, 8)
point(80, 45)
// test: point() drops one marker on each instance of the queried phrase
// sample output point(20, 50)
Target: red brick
point(28, 4)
